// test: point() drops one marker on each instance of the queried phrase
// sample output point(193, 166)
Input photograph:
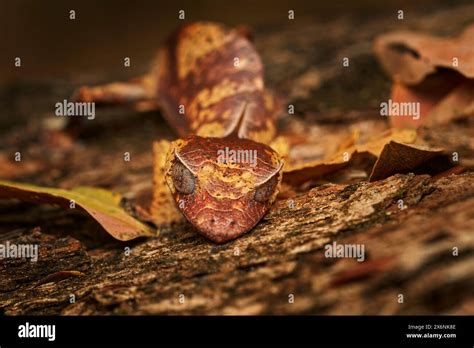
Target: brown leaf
point(299, 173)
point(458, 103)
point(435, 72)
point(394, 151)
point(428, 93)
point(409, 56)
point(102, 205)
point(400, 158)
point(442, 99)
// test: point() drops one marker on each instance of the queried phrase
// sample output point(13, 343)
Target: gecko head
point(223, 186)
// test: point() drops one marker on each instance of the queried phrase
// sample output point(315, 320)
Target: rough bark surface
point(423, 250)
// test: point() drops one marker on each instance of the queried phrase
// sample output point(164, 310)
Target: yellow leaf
point(102, 205)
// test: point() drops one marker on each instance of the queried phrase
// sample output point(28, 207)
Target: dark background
point(104, 32)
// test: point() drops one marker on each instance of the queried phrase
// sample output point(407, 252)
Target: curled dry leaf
point(102, 205)
point(394, 151)
point(401, 158)
point(436, 72)
point(410, 56)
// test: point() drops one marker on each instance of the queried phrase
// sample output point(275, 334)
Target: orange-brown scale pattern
point(210, 87)
point(222, 206)
point(216, 74)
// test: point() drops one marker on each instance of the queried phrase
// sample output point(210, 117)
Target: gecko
point(224, 171)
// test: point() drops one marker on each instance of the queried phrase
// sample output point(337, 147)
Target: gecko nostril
point(213, 221)
point(232, 222)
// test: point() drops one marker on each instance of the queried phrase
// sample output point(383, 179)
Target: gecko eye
point(183, 179)
point(265, 190)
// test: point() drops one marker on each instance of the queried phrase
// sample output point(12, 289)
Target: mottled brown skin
point(222, 200)
point(208, 81)
point(197, 70)
point(225, 106)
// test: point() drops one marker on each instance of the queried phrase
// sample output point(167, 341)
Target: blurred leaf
point(102, 205)
point(436, 72)
point(393, 152)
point(410, 56)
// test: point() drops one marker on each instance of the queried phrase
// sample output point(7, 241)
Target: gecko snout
point(222, 226)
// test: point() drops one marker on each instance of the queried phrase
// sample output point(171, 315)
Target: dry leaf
point(428, 94)
point(400, 158)
point(442, 99)
point(387, 148)
point(410, 56)
point(435, 72)
point(102, 205)
point(458, 103)
point(303, 143)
